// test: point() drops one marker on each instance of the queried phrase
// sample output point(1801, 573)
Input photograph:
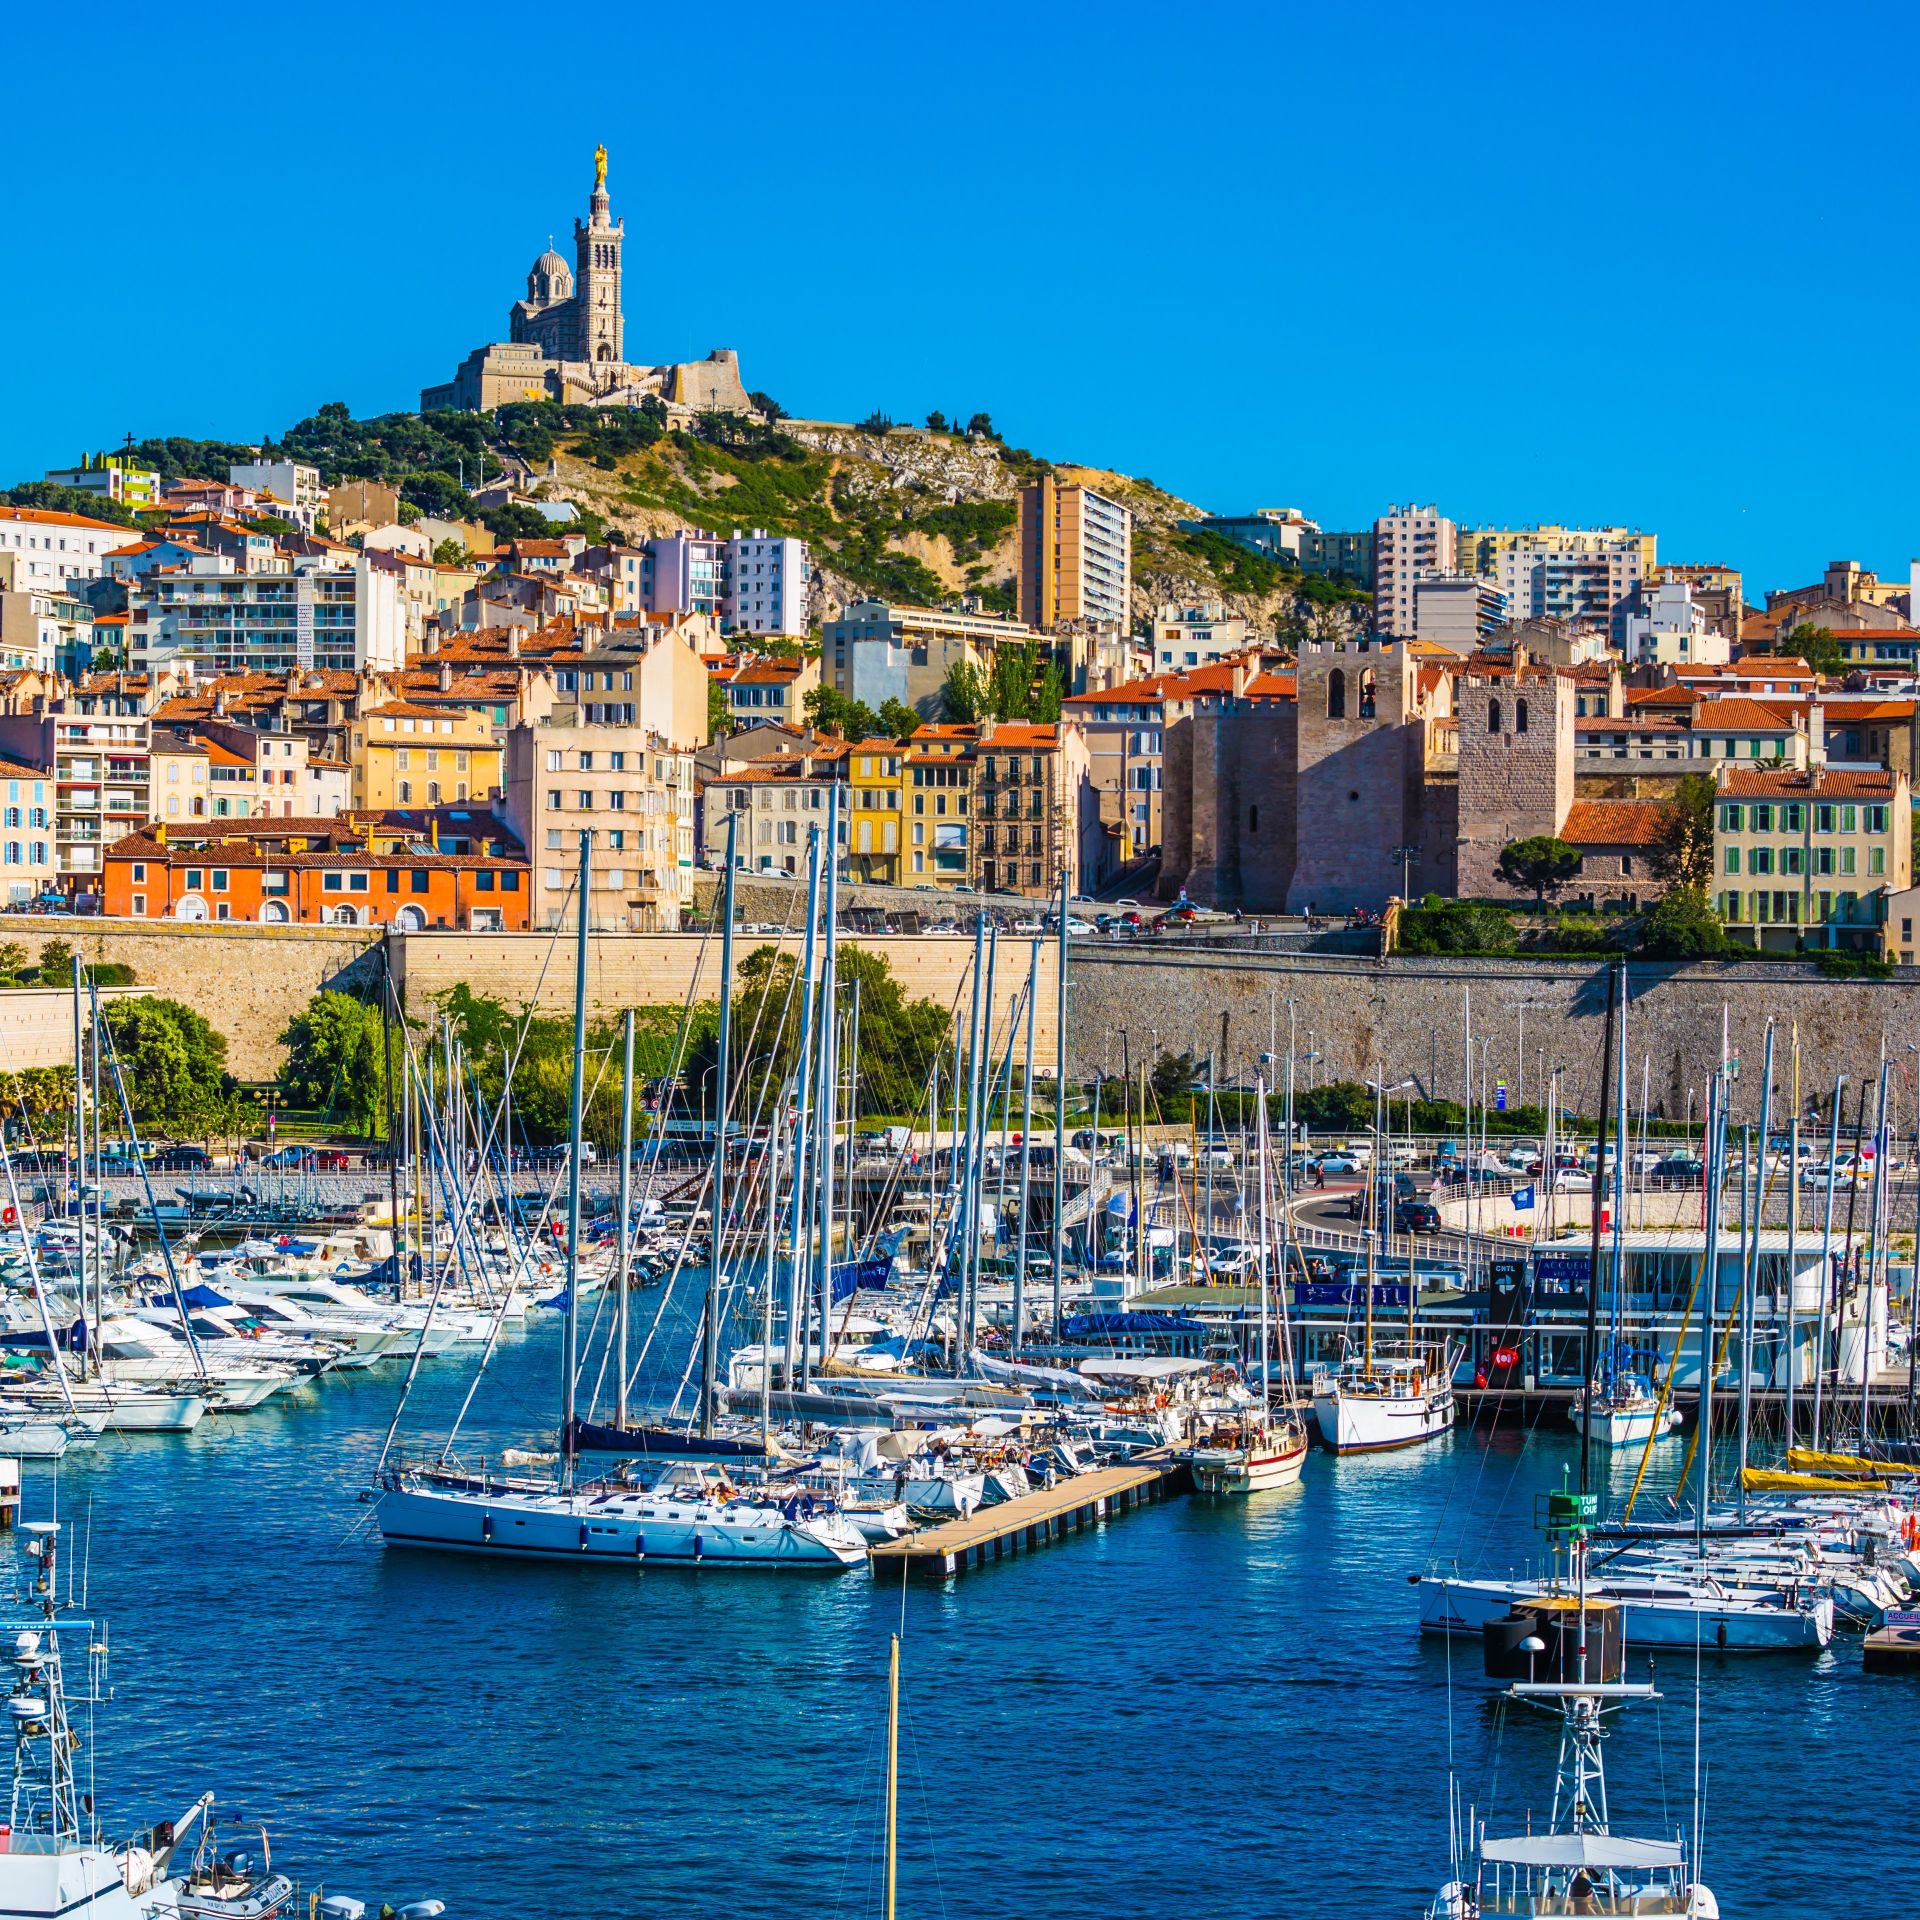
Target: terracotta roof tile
point(1612, 823)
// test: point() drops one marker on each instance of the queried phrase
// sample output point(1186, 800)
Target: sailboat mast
point(1596, 1194)
point(621, 1311)
point(1710, 1317)
point(1026, 1160)
point(1060, 1113)
point(799, 1315)
point(1262, 1266)
point(1826, 1268)
point(1876, 1242)
point(569, 1437)
point(79, 1148)
point(828, 1050)
point(893, 1770)
point(386, 1079)
point(710, 1322)
point(1751, 1223)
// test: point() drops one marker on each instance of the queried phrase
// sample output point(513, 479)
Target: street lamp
point(1406, 856)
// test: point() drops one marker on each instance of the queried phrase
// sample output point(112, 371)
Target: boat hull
point(1234, 1471)
point(1450, 1606)
point(616, 1530)
point(1378, 1423)
point(1628, 1426)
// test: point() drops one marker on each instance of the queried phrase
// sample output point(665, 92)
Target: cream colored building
point(1076, 556)
point(404, 754)
point(633, 792)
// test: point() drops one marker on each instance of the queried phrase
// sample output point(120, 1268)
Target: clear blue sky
point(1652, 264)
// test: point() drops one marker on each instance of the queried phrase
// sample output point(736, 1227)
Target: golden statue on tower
point(599, 167)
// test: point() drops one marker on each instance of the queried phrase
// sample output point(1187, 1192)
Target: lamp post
point(1406, 857)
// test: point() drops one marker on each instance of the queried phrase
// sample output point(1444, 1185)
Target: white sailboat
point(1258, 1451)
point(682, 1512)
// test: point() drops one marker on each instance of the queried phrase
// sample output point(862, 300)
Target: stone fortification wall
point(248, 981)
point(1409, 1017)
point(36, 1025)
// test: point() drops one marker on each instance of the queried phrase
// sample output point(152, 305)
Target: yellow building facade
point(403, 755)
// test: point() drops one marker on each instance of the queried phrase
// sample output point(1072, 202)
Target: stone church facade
point(567, 339)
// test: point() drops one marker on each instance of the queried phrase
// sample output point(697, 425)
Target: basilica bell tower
point(600, 330)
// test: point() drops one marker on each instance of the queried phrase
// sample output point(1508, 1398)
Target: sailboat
point(673, 1511)
point(1257, 1451)
point(1618, 1407)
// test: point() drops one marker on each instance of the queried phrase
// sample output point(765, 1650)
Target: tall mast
point(969, 1188)
point(79, 1153)
point(1593, 1251)
point(1877, 1241)
point(710, 1324)
point(393, 1155)
point(1793, 1235)
point(569, 1437)
point(621, 1312)
point(1750, 1225)
point(1710, 1319)
point(799, 1306)
point(827, 1047)
point(1026, 1159)
point(1261, 1266)
point(1826, 1268)
point(1060, 1114)
point(893, 1769)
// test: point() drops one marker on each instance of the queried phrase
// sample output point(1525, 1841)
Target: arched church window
point(1337, 694)
point(1367, 687)
point(1493, 716)
point(1519, 716)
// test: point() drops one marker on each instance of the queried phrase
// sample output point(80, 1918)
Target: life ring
point(9, 1218)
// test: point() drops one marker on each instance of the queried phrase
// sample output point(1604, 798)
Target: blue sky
point(1643, 264)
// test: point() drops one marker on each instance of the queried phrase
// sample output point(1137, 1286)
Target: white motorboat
point(686, 1515)
point(1376, 1400)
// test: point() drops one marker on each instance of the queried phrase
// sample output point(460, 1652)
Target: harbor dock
point(1016, 1526)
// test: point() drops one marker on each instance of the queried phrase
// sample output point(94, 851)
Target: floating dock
point(1018, 1526)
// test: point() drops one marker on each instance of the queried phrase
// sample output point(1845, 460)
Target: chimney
point(446, 676)
point(1816, 737)
point(513, 643)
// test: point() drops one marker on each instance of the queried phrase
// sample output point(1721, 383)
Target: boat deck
point(1020, 1525)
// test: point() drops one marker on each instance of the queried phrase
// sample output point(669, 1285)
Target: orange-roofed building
point(406, 872)
point(1032, 790)
point(406, 753)
point(1808, 856)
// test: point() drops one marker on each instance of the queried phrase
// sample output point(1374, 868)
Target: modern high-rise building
point(1408, 544)
point(269, 617)
point(1076, 556)
point(751, 583)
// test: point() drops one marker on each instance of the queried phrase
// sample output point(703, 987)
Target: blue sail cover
point(1097, 1326)
point(849, 1276)
point(198, 1295)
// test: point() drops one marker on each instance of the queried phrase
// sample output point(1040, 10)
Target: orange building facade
point(314, 873)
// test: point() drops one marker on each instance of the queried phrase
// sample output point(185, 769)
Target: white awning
point(1582, 1850)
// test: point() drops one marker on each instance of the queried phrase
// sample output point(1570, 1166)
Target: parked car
point(1681, 1171)
point(183, 1159)
point(1416, 1216)
point(300, 1157)
point(330, 1160)
point(1337, 1165)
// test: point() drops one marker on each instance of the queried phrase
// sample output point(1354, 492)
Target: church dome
point(551, 278)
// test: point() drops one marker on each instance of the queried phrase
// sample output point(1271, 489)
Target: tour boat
point(1250, 1456)
point(1380, 1399)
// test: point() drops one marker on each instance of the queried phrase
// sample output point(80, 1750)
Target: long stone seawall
point(1409, 1019)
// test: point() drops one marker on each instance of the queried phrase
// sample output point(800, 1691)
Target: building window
point(1519, 716)
point(1733, 860)
point(1493, 716)
point(1253, 819)
point(1337, 694)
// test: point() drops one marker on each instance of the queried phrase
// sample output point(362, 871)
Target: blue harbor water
point(1194, 1710)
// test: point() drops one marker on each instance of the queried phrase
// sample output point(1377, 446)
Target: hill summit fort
point(567, 339)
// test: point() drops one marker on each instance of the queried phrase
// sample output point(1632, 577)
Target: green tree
point(1682, 852)
point(1459, 927)
point(1539, 865)
point(981, 425)
point(936, 421)
point(1818, 648)
point(898, 721)
point(336, 1059)
point(15, 970)
point(833, 712)
point(766, 405)
point(719, 713)
point(878, 421)
point(172, 1060)
point(963, 695)
point(450, 553)
point(1682, 926)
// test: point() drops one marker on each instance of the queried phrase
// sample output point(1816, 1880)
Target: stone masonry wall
point(1408, 1017)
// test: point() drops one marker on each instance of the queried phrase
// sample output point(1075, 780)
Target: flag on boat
point(1522, 1198)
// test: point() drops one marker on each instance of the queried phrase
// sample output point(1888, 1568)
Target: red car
point(330, 1160)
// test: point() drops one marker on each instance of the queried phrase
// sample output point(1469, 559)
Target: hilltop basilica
point(567, 339)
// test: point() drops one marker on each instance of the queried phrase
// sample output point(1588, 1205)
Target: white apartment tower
point(1407, 543)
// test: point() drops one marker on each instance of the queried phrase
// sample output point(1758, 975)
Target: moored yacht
point(1384, 1398)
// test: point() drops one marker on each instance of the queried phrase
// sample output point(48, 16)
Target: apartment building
point(633, 792)
point(939, 783)
point(404, 872)
point(875, 804)
point(1076, 556)
point(94, 742)
point(28, 867)
point(1458, 611)
point(1123, 728)
point(290, 482)
point(1027, 790)
point(1196, 634)
point(767, 688)
point(54, 548)
point(881, 650)
point(1409, 543)
point(1808, 856)
point(775, 803)
point(42, 629)
point(222, 771)
point(113, 476)
point(754, 582)
point(1593, 585)
point(280, 614)
point(404, 754)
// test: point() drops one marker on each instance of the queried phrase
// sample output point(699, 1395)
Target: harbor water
point(1198, 1709)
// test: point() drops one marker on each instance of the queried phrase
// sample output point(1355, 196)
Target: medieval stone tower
point(1359, 774)
point(1516, 767)
point(596, 250)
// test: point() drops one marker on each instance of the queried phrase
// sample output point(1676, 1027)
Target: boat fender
point(583, 1536)
point(486, 1526)
point(699, 1547)
point(639, 1546)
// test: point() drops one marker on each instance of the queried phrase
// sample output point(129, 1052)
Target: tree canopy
point(336, 1059)
point(1682, 851)
point(1682, 927)
point(1539, 865)
point(173, 1062)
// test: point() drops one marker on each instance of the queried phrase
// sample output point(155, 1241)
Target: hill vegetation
point(925, 514)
